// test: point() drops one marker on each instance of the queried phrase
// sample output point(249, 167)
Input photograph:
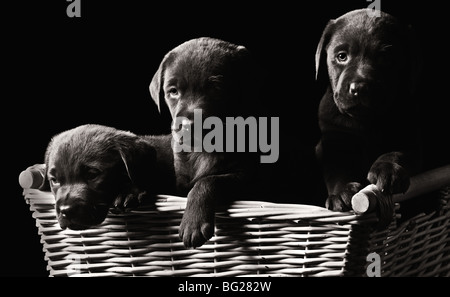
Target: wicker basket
point(251, 239)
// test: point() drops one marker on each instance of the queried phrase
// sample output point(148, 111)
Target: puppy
point(92, 168)
point(368, 113)
point(219, 79)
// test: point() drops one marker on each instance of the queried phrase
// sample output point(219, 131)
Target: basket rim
point(238, 209)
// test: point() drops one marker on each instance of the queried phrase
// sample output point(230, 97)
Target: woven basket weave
point(251, 239)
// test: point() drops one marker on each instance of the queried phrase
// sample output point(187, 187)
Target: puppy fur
point(220, 79)
point(92, 168)
point(367, 115)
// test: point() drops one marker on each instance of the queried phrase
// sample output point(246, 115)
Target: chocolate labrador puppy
point(368, 113)
point(92, 168)
point(214, 78)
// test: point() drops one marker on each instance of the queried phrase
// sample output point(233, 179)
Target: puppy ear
point(157, 92)
point(125, 162)
point(139, 159)
point(45, 186)
point(321, 55)
point(156, 87)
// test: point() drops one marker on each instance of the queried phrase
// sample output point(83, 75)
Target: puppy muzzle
point(355, 100)
point(187, 135)
point(74, 212)
point(358, 90)
point(182, 124)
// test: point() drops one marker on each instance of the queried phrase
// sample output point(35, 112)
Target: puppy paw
point(343, 200)
point(196, 227)
point(128, 200)
point(390, 177)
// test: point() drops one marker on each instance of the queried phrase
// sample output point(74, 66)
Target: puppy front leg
point(130, 198)
point(391, 173)
point(342, 174)
point(197, 224)
point(150, 170)
point(342, 185)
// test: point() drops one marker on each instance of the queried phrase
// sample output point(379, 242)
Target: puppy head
point(208, 74)
point(86, 168)
point(368, 59)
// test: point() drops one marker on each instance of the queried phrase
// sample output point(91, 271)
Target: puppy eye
point(173, 93)
point(342, 57)
point(91, 173)
point(53, 181)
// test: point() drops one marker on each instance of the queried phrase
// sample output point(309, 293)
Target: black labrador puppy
point(368, 113)
point(93, 168)
point(217, 79)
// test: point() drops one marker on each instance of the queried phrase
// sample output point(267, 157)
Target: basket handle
point(366, 200)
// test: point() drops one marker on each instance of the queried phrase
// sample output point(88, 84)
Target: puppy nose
point(66, 215)
point(353, 89)
point(66, 210)
point(357, 89)
point(181, 123)
point(186, 124)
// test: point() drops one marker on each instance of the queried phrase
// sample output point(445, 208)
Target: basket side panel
point(145, 242)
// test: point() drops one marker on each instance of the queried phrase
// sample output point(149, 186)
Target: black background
point(60, 72)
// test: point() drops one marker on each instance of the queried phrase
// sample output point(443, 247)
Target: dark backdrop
point(60, 72)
